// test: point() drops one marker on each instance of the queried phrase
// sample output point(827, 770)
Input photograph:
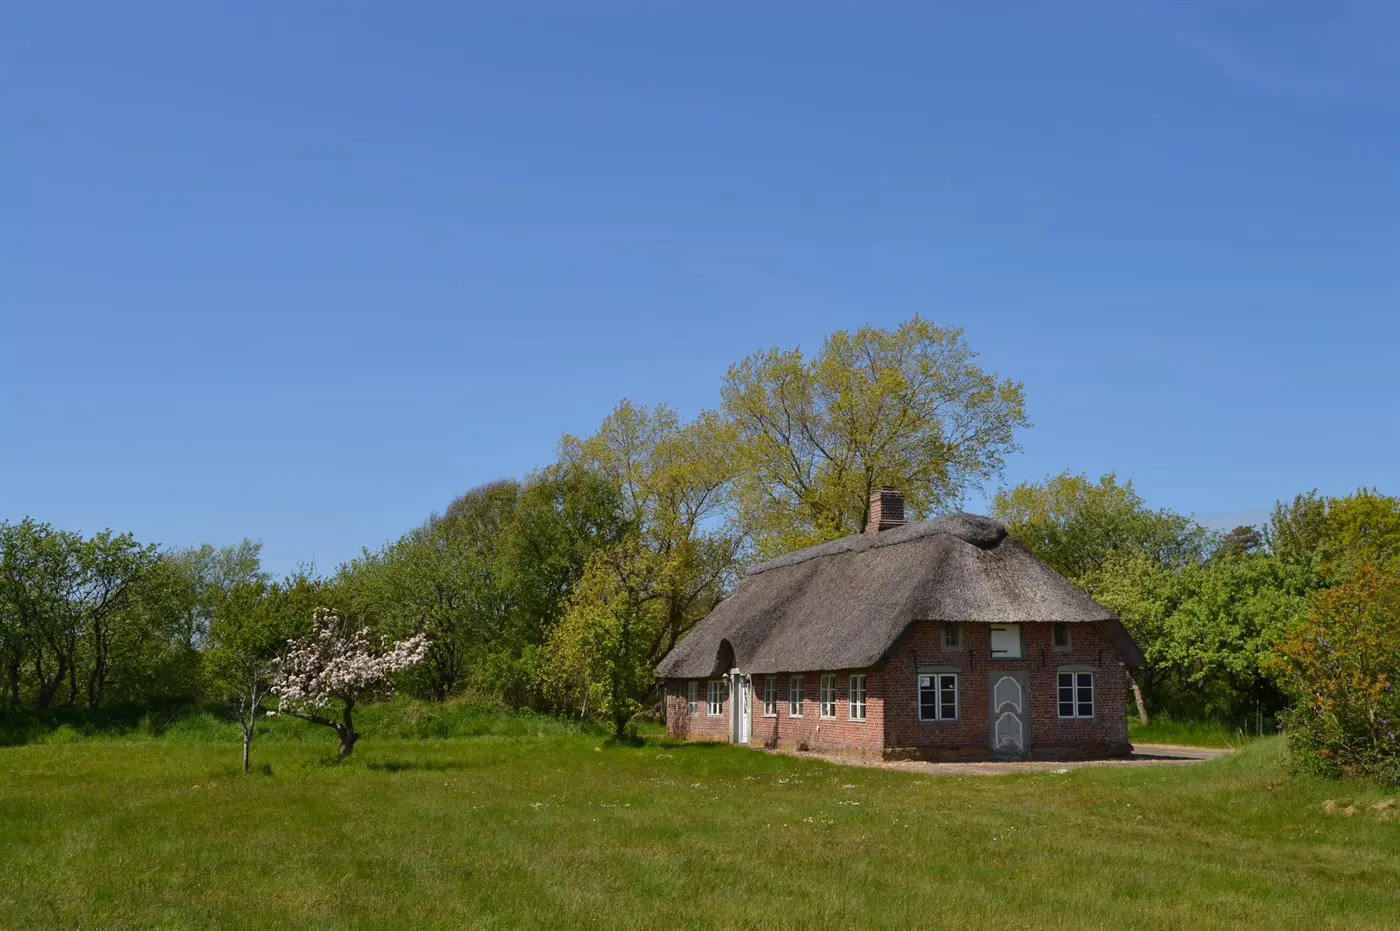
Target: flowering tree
point(338, 666)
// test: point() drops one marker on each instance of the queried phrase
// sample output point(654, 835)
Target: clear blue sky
point(305, 271)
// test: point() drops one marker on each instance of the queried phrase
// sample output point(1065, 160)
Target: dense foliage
point(1343, 667)
point(561, 591)
point(908, 408)
point(1296, 620)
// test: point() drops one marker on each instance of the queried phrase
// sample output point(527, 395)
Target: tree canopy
point(907, 408)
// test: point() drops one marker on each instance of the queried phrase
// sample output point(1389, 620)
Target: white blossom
point(339, 662)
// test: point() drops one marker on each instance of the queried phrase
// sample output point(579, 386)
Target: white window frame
point(1075, 702)
point(938, 686)
point(952, 635)
point(1069, 638)
point(714, 698)
point(855, 696)
point(692, 697)
point(795, 688)
point(770, 696)
point(1020, 648)
point(826, 696)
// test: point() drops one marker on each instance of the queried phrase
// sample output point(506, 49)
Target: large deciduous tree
point(669, 567)
point(111, 566)
point(908, 408)
point(38, 625)
point(442, 578)
point(1078, 525)
point(69, 611)
point(485, 580)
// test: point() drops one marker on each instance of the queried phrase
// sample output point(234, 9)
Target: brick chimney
point(886, 510)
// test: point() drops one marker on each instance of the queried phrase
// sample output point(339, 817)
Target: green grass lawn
point(534, 825)
point(1166, 730)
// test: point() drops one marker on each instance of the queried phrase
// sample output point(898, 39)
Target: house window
point(715, 698)
point(770, 697)
point(1076, 694)
point(1006, 641)
point(692, 696)
point(1060, 636)
point(795, 697)
point(952, 635)
point(938, 697)
point(827, 694)
point(855, 704)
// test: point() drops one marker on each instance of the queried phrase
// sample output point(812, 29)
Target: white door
point(741, 689)
point(1008, 714)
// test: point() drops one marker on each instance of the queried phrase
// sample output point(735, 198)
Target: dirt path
point(1143, 755)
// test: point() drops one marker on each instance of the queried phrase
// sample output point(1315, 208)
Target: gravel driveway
point(1143, 755)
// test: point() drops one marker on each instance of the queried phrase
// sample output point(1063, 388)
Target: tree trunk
point(346, 730)
point(97, 677)
point(1137, 698)
point(249, 720)
point(72, 671)
point(48, 687)
point(347, 741)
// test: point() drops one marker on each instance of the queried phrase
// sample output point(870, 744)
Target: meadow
point(471, 819)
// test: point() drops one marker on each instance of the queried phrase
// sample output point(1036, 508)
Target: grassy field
point(532, 823)
point(1166, 730)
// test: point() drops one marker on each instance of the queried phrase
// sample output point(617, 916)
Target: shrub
point(1342, 667)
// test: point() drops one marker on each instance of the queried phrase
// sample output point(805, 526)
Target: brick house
point(939, 639)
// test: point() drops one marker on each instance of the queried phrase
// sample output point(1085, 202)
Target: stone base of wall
point(950, 754)
point(825, 747)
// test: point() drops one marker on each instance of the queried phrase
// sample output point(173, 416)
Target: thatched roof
point(845, 604)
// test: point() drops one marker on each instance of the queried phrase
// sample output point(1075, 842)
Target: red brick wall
point(1106, 732)
point(811, 730)
point(892, 713)
point(697, 726)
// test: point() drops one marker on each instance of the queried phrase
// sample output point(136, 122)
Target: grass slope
point(513, 829)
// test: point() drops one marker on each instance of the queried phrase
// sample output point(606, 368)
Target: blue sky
point(303, 272)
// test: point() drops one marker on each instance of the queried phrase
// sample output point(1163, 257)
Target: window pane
point(948, 697)
point(1066, 680)
point(1066, 709)
point(928, 699)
